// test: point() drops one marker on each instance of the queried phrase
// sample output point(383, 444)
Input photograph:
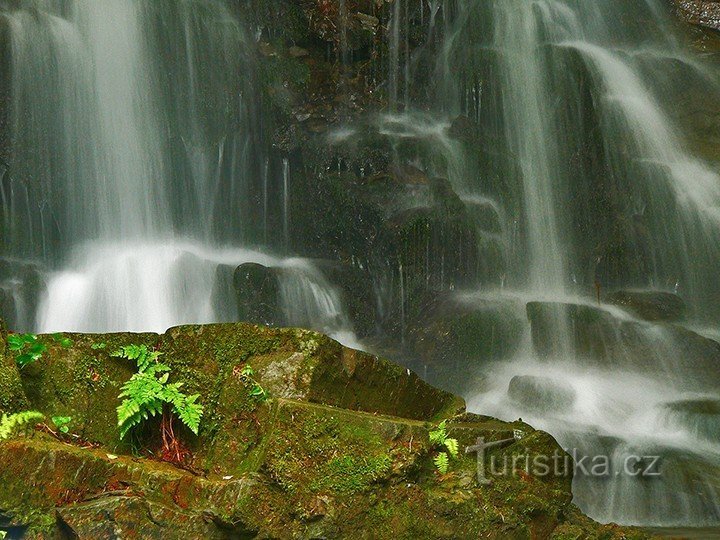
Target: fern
point(439, 438)
point(442, 462)
point(62, 423)
point(148, 392)
point(9, 424)
point(256, 391)
point(452, 447)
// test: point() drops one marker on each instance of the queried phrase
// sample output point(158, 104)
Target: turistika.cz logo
point(558, 464)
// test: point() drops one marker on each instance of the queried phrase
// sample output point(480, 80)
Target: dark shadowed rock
point(450, 336)
point(650, 305)
point(597, 335)
point(258, 289)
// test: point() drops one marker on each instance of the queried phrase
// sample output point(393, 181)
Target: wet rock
point(462, 128)
point(541, 394)
point(623, 257)
point(700, 417)
point(700, 12)
point(258, 294)
point(485, 215)
point(451, 336)
point(611, 339)
point(358, 294)
point(21, 287)
point(650, 305)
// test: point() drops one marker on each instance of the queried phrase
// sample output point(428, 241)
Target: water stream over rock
point(463, 185)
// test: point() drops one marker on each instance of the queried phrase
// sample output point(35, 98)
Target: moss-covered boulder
point(12, 397)
point(339, 449)
point(82, 380)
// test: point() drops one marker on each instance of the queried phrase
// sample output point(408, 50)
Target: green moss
point(346, 475)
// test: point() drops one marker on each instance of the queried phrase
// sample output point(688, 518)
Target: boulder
point(83, 379)
point(541, 394)
point(358, 293)
point(258, 289)
point(650, 305)
point(340, 449)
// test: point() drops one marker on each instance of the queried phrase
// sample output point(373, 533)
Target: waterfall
point(574, 103)
point(533, 152)
point(133, 153)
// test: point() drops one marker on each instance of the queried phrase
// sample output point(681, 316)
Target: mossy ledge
point(339, 450)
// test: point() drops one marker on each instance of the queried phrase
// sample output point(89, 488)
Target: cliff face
point(341, 449)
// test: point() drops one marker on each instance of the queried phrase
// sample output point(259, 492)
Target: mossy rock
point(326, 472)
point(82, 381)
point(12, 396)
point(326, 455)
point(303, 365)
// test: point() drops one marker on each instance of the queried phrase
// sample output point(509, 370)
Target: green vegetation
point(148, 393)
point(439, 439)
point(29, 347)
point(255, 390)
point(9, 424)
point(62, 423)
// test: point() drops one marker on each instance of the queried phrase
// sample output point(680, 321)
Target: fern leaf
point(10, 423)
point(452, 447)
point(442, 463)
point(438, 435)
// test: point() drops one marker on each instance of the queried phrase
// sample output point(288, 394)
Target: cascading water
point(132, 122)
point(573, 103)
point(137, 174)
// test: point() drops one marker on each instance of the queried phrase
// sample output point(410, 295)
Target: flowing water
point(133, 123)
point(139, 176)
point(581, 94)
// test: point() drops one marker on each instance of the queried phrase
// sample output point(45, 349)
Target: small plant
point(62, 339)
point(29, 346)
point(9, 424)
point(148, 393)
point(98, 346)
point(246, 375)
point(62, 423)
point(449, 447)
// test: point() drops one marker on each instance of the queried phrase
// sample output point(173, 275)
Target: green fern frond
point(438, 435)
point(9, 424)
point(442, 463)
point(148, 390)
point(452, 447)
